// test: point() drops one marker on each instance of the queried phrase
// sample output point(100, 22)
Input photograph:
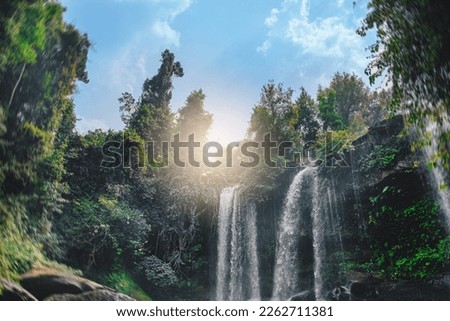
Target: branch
point(16, 85)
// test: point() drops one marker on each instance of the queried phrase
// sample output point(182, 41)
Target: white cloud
point(266, 45)
point(133, 62)
point(170, 10)
point(332, 36)
point(304, 9)
point(162, 29)
point(273, 18)
point(322, 37)
point(179, 7)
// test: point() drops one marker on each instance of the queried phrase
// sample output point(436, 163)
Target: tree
point(352, 95)
point(412, 51)
point(270, 114)
point(327, 110)
point(306, 121)
point(150, 116)
point(193, 118)
point(41, 58)
point(40, 61)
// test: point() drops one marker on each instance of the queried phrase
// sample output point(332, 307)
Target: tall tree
point(306, 121)
point(352, 95)
point(193, 118)
point(150, 116)
point(327, 110)
point(40, 61)
point(412, 50)
point(269, 115)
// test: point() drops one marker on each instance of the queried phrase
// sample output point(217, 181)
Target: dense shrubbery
point(408, 243)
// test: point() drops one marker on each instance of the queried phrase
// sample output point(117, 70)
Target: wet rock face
point(406, 291)
point(380, 158)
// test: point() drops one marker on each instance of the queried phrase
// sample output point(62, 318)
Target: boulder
point(14, 292)
point(44, 282)
point(446, 280)
point(364, 291)
point(415, 291)
point(96, 295)
point(339, 293)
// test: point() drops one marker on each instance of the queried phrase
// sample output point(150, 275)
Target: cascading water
point(237, 275)
point(286, 257)
point(252, 252)
point(286, 261)
point(438, 174)
point(225, 211)
point(318, 228)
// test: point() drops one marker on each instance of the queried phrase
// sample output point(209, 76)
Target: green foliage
point(334, 144)
point(408, 243)
point(412, 51)
point(352, 96)
point(121, 281)
point(381, 158)
point(40, 60)
point(18, 253)
point(103, 232)
point(150, 116)
point(159, 276)
point(425, 263)
point(271, 113)
point(327, 110)
point(303, 120)
point(25, 30)
point(193, 118)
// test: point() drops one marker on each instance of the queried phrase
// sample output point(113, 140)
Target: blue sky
point(229, 48)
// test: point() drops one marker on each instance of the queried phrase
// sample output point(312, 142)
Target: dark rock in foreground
point(45, 284)
point(14, 292)
point(373, 290)
point(97, 295)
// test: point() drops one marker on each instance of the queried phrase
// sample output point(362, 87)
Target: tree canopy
point(412, 51)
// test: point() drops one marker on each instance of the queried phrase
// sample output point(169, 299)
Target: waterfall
point(439, 175)
point(291, 223)
point(285, 277)
point(335, 223)
point(318, 228)
point(237, 274)
point(225, 211)
point(252, 252)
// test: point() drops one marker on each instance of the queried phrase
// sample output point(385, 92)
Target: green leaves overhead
point(412, 52)
point(41, 58)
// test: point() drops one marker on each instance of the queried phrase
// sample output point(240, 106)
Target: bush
point(123, 282)
point(18, 253)
point(103, 232)
point(332, 144)
point(408, 243)
point(381, 158)
point(161, 280)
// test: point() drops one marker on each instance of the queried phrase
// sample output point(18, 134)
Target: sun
point(223, 134)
